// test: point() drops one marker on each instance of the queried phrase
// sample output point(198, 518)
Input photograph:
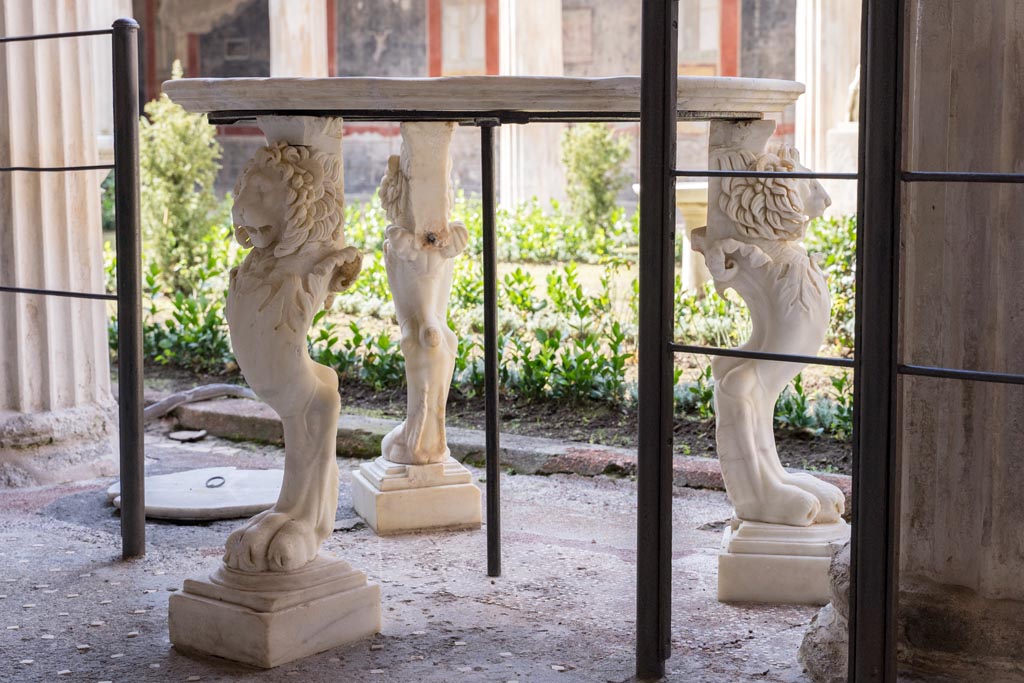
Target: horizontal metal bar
point(761, 355)
point(59, 292)
point(469, 116)
point(969, 375)
point(49, 36)
point(960, 177)
point(707, 173)
point(57, 169)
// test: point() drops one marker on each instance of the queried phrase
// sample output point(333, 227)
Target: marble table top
point(514, 99)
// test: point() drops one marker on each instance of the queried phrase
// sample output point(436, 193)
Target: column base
point(777, 563)
point(399, 499)
point(57, 446)
point(272, 618)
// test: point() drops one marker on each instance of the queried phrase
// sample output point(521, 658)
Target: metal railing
point(876, 366)
point(124, 46)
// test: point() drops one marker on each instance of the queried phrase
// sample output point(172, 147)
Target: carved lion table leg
point(777, 547)
point(275, 599)
point(416, 484)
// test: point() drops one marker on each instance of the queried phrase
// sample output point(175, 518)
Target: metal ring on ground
point(218, 484)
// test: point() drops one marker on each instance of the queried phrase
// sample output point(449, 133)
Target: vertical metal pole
point(129, 286)
point(657, 249)
point(874, 585)
point(491, 416)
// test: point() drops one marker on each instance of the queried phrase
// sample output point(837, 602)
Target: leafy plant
point(531, 367)
point(194, 335)
point(469, 366)
point(593, 158)
point(107, 202)
point(710, 319)
point(834, 414)
point(700, 394)
point(792, 408)
point(383, 365)
point(517, 293)
point(324, 347)
point(834, 240)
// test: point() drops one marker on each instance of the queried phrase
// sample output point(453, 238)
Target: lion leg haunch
point(757, 491)
point(289, 535)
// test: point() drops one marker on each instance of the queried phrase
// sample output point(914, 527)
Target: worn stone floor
point(562, 611)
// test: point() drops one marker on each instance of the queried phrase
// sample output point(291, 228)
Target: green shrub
point(190, 332)
point(178, 164)
point(593, 158)
point(527, 233)
point(834, 241)
point(834, 413)
point(107, 202)
point(563, 343)
point(793, 408)
point(699, 395)
point(710, 320)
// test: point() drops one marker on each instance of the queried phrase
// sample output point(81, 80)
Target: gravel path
point(563, 611)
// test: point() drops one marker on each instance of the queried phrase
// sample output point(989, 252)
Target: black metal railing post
point(657, 251)
point(129, 286)
point(492, 418)
point(874, 538)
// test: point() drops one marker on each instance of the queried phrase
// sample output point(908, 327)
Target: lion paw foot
point(272, 541)
point(781, 504)
point(832, 500)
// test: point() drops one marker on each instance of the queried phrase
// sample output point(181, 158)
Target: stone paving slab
point(360, 436)
point(562, 612)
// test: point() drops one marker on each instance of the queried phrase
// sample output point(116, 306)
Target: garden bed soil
point(585, 423)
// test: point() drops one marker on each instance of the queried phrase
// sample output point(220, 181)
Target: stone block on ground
point(273, 618)
point(777, 563)
point(397, 499)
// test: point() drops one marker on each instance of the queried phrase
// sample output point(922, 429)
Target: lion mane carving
point(766, 208)
point(314, 207)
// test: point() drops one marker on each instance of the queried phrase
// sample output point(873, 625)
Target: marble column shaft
point(827, 55)
point(531, 45)
point(56, 411)
point(298, 38)
point(962, 545)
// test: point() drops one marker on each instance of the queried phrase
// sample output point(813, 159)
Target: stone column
point(298, 38)
point(530, 163)
point(104, 14)
point(961, 600)
point(416, 484)
point(692, 204)
point(827, 58)
point(275, 598)
point(777, 547)
point(57, 416)
point(962, 545)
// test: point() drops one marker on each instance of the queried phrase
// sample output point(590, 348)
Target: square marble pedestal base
point(777, 563)
point(398, 499)
point(272, 618)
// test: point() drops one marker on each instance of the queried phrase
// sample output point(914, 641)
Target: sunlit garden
point(567, 304)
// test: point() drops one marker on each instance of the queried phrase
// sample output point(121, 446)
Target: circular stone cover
point(209, 493)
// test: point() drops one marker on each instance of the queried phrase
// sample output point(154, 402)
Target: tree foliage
point(594, 158)
point(178, 164)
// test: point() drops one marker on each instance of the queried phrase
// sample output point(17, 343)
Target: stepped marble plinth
point(267, 619)
point(777, 563)
point(397, 499)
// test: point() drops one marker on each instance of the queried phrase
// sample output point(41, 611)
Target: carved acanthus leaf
point(394, 188)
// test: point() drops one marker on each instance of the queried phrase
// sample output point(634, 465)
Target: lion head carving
point(770, 208)
point(288, 196)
